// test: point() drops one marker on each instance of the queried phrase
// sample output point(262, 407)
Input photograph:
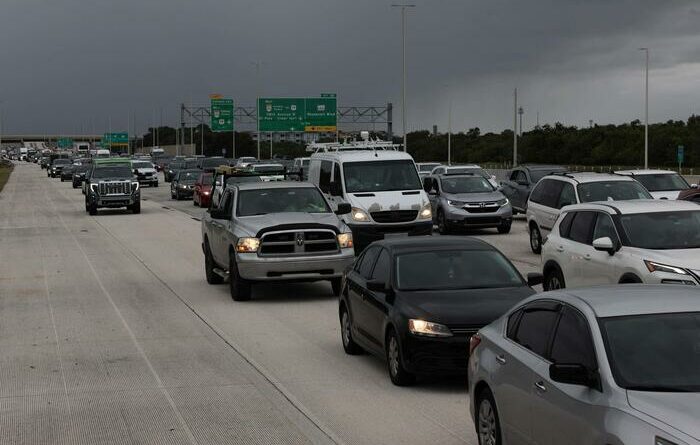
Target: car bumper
point(187, 193)
point(204, 200)
point(148, 180)
point(306, 268)
point(456, 217)
point(365, 234)
point(431, 355)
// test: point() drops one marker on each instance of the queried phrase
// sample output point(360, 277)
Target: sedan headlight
point(657, 267)
point(426, 212)
point(359, 215)
point(345, 240)
point(247, 245)
point(455, 203)
point(427, 328)
point(502, 202)
point(182, 186)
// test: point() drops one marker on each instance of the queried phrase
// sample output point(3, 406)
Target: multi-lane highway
point(110, 334)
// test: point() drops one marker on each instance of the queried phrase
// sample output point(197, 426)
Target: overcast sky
point(68, 65)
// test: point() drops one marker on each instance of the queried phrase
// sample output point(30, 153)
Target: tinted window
point(324, 180)
point(567, 196)
point(572, 341)
point(466, 184)
point(382, 268)
point(551, 192)
point(336, 172)
point(281, 200)
point(565, 225)
point(538, 192)
point(535, 328)
point(581, 227)
point(368, 262)
point(513, 323)
point(612, 190)
point(663, 230)
point(520, 176)
point(604, 227)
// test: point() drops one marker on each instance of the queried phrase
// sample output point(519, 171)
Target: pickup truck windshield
point(113, 171)
point(281, 200)
point(381, 176)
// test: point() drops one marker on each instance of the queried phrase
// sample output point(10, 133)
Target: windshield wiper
point(660, 388)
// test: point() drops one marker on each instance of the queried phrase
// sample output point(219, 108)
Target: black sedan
point(79, 173)
point(417, 300)
point(67, 172)
point(182, 184)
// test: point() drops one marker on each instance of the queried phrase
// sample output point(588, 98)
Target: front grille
point(394, 216)
point(115, 188)
point(302, 242)
point(481, 207)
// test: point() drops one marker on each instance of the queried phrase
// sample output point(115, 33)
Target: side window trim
point(614, 226)
point(547, 305)
point(376, 261)
point(577, 313)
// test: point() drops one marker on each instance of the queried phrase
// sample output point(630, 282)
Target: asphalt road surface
point(110, 334)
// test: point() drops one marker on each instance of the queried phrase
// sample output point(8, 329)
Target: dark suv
point(521, 180)
point(112, 185)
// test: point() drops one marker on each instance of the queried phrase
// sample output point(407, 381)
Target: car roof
point(635, 206)
point(542, 167)
point(584, 177)
point(267, 165)
point(362, 155)
point(430, 243)
point(645, 172)
point(632, 299)
point(274, 185)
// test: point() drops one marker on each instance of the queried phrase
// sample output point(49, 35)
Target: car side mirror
point(574, 374)
point(219, 213)
point(343, 208)
point(534, 278)
point(604, 244)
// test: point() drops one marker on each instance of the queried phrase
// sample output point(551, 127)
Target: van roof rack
point(366, 143)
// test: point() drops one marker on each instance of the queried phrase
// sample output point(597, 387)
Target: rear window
point(612, 191)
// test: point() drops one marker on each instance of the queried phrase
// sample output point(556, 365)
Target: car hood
point(386, 201)
point(254, 224)
point(475, 197)
point(671, 194)
point(677, 410)
point(686, 258)
point(474, 307)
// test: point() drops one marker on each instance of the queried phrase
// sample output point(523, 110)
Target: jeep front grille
point(115, 188)
point(300, 242)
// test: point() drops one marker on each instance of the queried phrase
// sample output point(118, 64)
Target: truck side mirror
point(343, 208)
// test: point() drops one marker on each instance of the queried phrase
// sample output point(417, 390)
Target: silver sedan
point(605, 365)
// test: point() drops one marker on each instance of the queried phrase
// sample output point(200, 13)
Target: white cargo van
point(381, 184)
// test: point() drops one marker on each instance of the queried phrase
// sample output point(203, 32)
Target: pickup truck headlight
point(426, 212)
point(429, 329)
point(657, 267)
point(247, 245)
point(345, 240)
point(93, 187)
point(359, 215)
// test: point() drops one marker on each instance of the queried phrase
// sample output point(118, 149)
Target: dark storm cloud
point(73, 64)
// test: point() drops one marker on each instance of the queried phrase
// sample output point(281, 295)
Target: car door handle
point(540, 386)
point(501, 359)
point(587, 257)
point(560, 248)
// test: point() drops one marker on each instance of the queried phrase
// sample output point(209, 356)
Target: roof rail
point(365, 145)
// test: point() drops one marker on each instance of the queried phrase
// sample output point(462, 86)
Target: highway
point(110, 334)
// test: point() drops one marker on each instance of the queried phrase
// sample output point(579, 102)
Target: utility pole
point(403, 7)
point(646, 109)
point(515, 128)
point(449, 134)
point(520, 112)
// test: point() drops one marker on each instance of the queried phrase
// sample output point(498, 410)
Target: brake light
point(474, 341)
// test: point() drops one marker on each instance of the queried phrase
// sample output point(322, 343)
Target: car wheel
point(92, 209)
point(212, 277)
point(398, 374)
point(553, 280)
point(488, 426)
point(336, 285)
point(504, 227)
point(155, 184)
point(535, 239)
point(442, 223)
point(349, 345)
point(75, 186)
point(136, 208)
point(240, 287)
point(62, 180)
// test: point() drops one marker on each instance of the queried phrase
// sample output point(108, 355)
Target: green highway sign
point(221, 115)
point(65, 143)
point(115, 139)
point(298, 114)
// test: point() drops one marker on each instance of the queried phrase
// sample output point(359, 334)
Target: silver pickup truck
point(274, 231)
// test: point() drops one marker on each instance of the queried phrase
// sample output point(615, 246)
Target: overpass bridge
point(22, 138)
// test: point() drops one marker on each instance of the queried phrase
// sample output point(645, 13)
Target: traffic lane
point(161, 195)
point(101, 351)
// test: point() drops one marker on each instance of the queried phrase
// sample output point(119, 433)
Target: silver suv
point(275, 231)
point(556, 191)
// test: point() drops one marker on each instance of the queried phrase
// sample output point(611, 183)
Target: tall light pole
point(257, 100)
point(515, 128)
point(521, 110)
point(646, 109)
point(403, 7)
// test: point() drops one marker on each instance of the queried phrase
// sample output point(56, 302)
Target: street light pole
point(403, 7)
point(646, 109)
point(520, 112)
point(449, 134)
point(257, 101)
point(515, 128)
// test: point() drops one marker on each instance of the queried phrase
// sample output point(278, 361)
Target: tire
point(155, 184)
point(487, 422)
point(349, 345)
point(535, 239)
point(505, 227)
point(442, 223)
point(240, 288)
point(553, 280)
point(212, 277)
point(92, 209)
point(394, 359)
point(75, 186)
point(337, 286)
point(62, 180)
point(136, 207)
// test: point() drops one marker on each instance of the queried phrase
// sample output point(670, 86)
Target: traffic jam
point(601, 344)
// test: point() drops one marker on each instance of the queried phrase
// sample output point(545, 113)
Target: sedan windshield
point(662, 182)
point(455, 269)
point(466, 184)
point(281, 200)
point(612, 191)
point(663, 230)
point(381, 176)
point(189, 176)
point(113, 171)
point(655, 352)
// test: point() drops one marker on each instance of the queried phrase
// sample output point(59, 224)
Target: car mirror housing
point(534, 278)
point(344, 208)
point(377, 286)
point(574, 374)
point(604, 244)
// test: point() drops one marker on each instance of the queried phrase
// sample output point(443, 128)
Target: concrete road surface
point(110, 334)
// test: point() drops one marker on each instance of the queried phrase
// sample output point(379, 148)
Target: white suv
point(642, 241)
point(662, 184)
point(558, 190)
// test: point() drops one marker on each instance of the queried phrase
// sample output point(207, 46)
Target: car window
point(324, 180)
point(572, 342)
point(551, 193)
point(604, 227)
point(382, 270)
point(368, 260)
point(520, 176)
point(565, 225)
point(538, 192)
point(336, 172)
point(513, 324)
point(535, 328)
point(567, 196)
point(581, 227)
point(514, 175)
point(225, 202)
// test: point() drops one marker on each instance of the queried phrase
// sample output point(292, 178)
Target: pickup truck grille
point(302, 242)
point(394, 216)
point(115, 188)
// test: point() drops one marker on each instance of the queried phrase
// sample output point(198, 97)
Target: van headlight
point(345, 240)
point(359, 215)
point(426, 212)
point(247, 245)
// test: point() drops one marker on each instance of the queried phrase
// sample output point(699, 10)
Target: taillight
point(474, 341)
